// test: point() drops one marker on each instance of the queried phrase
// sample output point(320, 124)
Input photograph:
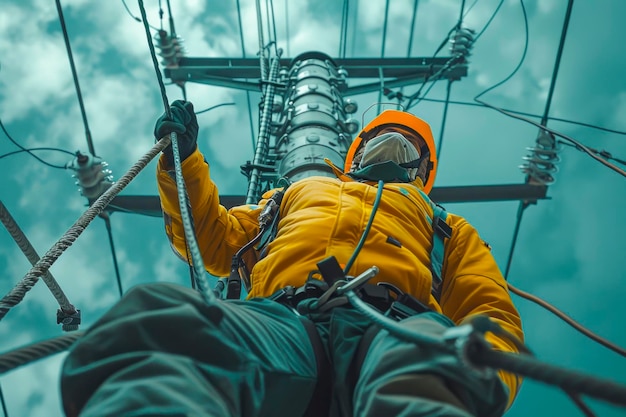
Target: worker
point(294, 346)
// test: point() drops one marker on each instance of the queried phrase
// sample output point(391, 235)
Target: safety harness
point(379, 297)
point(398, 307)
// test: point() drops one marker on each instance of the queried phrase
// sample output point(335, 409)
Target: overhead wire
point(603, 153)
point(493, 15)
point(29, 150)
point(444, 116)
point(400, 95)
point(271, 23)
point(107, 222)
point(538, 116)
point(343, 31)
point(83, 113)
point(5, 412)
point(243, 53)
point(415, 98)
point(287, 35)
point(135, 18)
point(23, 149)
point(382, 55)
point(79, 94)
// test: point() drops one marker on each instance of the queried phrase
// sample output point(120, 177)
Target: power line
point(243, 54)
point(28, 151)
point(70, 56)
point(556, 119)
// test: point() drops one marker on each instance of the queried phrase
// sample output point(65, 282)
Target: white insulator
point(170, 48)
point(92, 176)
point(542, 159)
point(461, 42)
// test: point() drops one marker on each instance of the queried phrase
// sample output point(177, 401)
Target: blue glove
point(182, 121)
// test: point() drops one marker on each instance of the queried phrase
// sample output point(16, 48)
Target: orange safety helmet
point(402, 121)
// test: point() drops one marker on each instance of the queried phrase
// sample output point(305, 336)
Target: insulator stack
point(170, 48)
point(461, 43)
point(313, 119)
point(92, 175)
point(541, 161)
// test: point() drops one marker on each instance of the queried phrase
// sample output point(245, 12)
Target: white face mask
point(391, 146)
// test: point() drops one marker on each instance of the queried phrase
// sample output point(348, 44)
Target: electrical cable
point(243, 54)
point(556, 119)
point(579, 145)
point(287, 35)
point(412, 30)
point(187, 220)
point(596, 338)
point(382, 55)
point(30, 150)
point(519, 64)
point(544, 119)
point(170, 19)
point(602, 153)
point(343, 31)
point(5, 412)
point(214, 107)
point(107, 221)
point(493, 15)
point(518, 221)
point(385, 22)
point(368, 226)
point(446, 105)
point(270, 8)
point(45, 148)
point(135, 18)
point(79, 94)
point(23, 149)
point(575, 397)
point(444, 119)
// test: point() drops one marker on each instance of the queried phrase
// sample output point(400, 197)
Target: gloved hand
point(183, 121)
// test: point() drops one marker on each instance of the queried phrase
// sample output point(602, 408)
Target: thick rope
point(31, 254)
point(197, 263)
point(35, 351)
point(43, 265)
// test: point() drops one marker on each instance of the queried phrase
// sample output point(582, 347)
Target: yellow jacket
point(320, 217)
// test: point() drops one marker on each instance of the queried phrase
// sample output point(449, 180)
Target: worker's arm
point(220, 232)
point(473, 284)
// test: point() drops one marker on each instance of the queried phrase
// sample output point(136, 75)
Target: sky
point(568, 251)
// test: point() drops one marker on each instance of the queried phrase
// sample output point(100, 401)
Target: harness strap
point(361, 352)
point(319, 405)
point(441, 231)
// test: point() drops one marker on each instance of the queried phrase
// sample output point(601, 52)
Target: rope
point(198, 272)
point(35, 351)
point(43, 265)
point(570, 381)
point(24, 244)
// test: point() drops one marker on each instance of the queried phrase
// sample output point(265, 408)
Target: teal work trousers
point(162, 351)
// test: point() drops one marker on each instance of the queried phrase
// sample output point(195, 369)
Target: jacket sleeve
point(220, 232)
point(473, 284)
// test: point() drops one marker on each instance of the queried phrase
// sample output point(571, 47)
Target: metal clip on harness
point(238, 269)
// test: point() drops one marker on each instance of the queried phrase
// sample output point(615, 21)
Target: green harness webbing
point(441, 231)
